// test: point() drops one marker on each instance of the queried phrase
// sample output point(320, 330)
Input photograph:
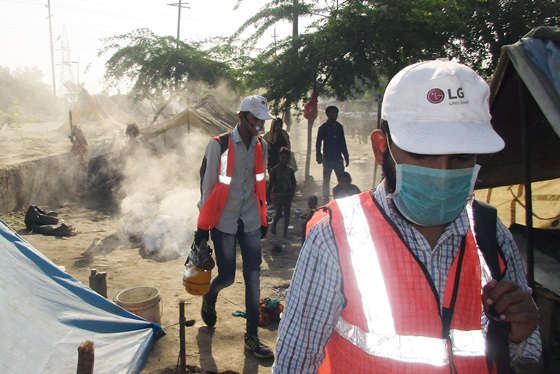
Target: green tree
point(159, 67)
point(491, 24)
point(274, 12)
point(362, 44)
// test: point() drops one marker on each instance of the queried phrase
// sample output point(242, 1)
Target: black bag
point(497, 341)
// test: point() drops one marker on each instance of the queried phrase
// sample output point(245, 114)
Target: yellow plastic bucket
point(142, 301)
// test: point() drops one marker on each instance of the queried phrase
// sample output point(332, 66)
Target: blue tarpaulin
point(47, 314)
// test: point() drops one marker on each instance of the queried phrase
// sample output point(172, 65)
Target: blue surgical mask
point(432, 197)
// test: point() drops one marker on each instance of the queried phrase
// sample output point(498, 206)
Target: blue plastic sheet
point(47, 314)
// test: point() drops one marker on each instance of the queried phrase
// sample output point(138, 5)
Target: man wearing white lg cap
point(233, 208)
point(402, 279)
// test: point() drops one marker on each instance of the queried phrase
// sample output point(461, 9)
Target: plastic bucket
point(142, 301)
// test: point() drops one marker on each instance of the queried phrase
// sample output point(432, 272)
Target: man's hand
point(347, 162)
point(511, 304)
point(319, 159)
point(201, 234)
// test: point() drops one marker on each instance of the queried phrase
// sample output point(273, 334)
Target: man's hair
point(278, 120)
point(346, 175)
point(132, 128)
point(312, 201)
point(285, 151)
point(330, 109)
point(387, 166)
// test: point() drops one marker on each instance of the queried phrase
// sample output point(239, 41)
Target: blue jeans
point(328, 167)
point(224, 247)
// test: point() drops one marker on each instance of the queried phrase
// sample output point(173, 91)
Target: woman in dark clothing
point(276, 139)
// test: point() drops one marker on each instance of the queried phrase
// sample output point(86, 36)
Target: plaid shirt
point(316, 299)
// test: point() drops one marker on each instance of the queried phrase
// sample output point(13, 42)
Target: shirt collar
point(237, 138)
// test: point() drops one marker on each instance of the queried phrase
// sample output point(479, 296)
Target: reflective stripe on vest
point(382, 339)
point(223, 177)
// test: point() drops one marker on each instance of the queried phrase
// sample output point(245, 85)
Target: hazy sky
point(25, 39)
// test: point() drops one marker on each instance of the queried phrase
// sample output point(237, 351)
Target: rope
point(524, 207)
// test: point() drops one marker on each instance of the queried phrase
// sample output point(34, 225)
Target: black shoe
point(259, 349)
point(208, 312)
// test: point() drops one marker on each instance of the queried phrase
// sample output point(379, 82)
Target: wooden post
point(86, 357)
point(182, 350)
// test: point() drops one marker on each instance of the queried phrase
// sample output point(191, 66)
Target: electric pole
point(52, 49)
point(179, 5)
point(274, 36)
point(66, 82)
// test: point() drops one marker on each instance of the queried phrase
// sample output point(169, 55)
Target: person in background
point(135, 146)
point(276, 138)
point(393, 280)
point(345, 187)
point(281, 190)
point(331, 148)
point(233, 208)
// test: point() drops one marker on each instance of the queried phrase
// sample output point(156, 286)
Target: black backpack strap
point(485, 226)
point(224, 143)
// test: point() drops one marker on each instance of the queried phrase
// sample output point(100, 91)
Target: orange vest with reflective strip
point(211, 210)
point(414, 303)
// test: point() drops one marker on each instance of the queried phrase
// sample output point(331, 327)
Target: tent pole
point(526, 150)
point(182, 350)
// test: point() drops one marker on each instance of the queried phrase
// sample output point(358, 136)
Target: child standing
point(281, 189)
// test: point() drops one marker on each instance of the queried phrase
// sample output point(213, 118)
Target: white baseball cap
point(257, 105)
point(440, 107)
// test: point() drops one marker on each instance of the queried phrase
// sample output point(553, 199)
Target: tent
point(47, 314)
point(525, 108)
point(209, 116)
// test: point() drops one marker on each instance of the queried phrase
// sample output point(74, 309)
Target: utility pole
point(52, 49)
point(179, 5)
point(274, 36)
point(78, 72)
point(66, 81)
point(295, 20)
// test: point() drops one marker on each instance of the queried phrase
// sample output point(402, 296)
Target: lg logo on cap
point(436, 95)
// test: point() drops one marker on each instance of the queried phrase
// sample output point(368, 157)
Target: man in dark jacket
point(331, 136)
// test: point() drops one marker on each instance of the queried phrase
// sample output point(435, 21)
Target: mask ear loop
point(247, 119)
point(389, 148)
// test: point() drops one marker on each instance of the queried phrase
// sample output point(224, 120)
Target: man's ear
point(378, 145)
point(241, 117)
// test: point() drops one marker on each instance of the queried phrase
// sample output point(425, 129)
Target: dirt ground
point(218, 350)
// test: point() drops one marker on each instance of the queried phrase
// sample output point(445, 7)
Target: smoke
point(160, 196)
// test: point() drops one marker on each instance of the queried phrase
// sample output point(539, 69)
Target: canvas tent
point(208, 116)
point(47, 314)
point(525, 107)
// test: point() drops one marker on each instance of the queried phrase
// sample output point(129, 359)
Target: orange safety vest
point(393, 326)
point(211, 210)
